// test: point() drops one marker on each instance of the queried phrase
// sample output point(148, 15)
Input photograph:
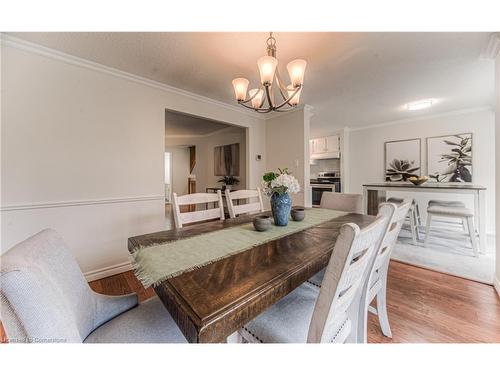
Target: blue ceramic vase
point(281, 206)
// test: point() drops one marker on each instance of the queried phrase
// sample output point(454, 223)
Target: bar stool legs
point(457, 213)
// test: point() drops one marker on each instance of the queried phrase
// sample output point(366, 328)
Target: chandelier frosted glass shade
point(262, 99)
point(267, 68)
point(240, 86)
point(257, 95)
point(296, 70)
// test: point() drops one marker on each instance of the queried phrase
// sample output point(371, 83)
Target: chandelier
point(262, 99)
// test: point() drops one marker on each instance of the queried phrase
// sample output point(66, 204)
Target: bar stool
point(457, 212)
point(413, 216)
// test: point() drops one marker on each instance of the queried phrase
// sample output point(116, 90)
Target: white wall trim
point(108, 271)
point(24, 45)
point(496, 285)
point(31, 206)
point(421, 118)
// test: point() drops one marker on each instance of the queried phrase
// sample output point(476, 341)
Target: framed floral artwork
point(402, 159)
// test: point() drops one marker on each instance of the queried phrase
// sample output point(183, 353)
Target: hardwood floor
point(424, 306)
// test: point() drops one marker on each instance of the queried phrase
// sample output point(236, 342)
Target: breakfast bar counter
point(375, 193)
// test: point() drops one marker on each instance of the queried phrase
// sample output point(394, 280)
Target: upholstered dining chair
point(342, 202)
point(45, 298)
point(328, 314)
point(181, 218)
point(246, 208)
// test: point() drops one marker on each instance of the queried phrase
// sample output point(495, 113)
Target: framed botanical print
point(402, 159)
point(449, 158)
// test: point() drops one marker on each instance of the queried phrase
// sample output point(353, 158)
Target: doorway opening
point(203, 156)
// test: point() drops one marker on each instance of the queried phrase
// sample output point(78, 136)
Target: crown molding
point(24, 45)
point(492, 49)
point(421, 118)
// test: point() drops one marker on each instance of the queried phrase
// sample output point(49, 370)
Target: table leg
point(481, 220)
point(373, 199)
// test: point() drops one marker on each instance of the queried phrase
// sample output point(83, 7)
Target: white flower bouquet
point(280, 183)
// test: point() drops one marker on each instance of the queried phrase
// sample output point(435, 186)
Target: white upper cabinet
point(325, 148)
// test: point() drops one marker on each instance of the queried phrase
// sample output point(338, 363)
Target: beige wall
point(366, 152)
point(82, 151)
point(287, 145)
point(204, 169)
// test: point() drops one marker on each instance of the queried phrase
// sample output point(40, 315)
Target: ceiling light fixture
point(422, 104)
point(268, 68)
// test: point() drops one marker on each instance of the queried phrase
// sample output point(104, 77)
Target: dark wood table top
point(428, 185)
point(210, 303)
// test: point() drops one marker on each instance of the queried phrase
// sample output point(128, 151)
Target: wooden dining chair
point(376, 285)
point(246, 208)
point(181, 218)
point(328, 314)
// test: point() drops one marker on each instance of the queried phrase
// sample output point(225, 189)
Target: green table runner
point(155, 264)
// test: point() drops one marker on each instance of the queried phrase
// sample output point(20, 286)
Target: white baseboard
point(496, 284)
point(108, 271)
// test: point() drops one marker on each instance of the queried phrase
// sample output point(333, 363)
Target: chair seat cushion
point(449, 211)
point(438, 202)
point(149, 322)
point(288, 320)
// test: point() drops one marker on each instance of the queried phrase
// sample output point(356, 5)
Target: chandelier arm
point(280, 82)
point(268, 94)
point(260, 110)
point(290, 98)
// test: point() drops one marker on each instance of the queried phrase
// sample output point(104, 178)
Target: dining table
point(376, 193)
point(212, 302)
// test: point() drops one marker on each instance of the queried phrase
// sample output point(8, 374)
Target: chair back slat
point(182, 218)
point(246, 208)
point(346, 272)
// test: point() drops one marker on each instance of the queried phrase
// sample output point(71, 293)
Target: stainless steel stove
point(326, 181)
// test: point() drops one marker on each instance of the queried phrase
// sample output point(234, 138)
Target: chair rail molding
point(24, 45)
point(89, 202)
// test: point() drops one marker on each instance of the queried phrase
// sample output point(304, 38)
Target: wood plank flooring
point(424, 306)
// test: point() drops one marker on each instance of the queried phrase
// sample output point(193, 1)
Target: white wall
point(180, 169)
point(82, 151)
point(497, 157)
point(366, 151)
point(204, 169)
point(287, 146)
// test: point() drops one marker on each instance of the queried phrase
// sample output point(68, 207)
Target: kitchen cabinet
point(325, 147)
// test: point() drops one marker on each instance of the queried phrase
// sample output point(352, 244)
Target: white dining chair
point(181, 218)
point(44, 298)
point(328, 314)
point(246, 208)
point(376, 285)
point(346, 202)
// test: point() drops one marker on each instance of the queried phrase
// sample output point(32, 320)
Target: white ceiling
point(180, 124)
point(352, 79)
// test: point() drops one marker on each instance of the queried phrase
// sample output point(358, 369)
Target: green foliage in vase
point(459, 161)
point(401, 170)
